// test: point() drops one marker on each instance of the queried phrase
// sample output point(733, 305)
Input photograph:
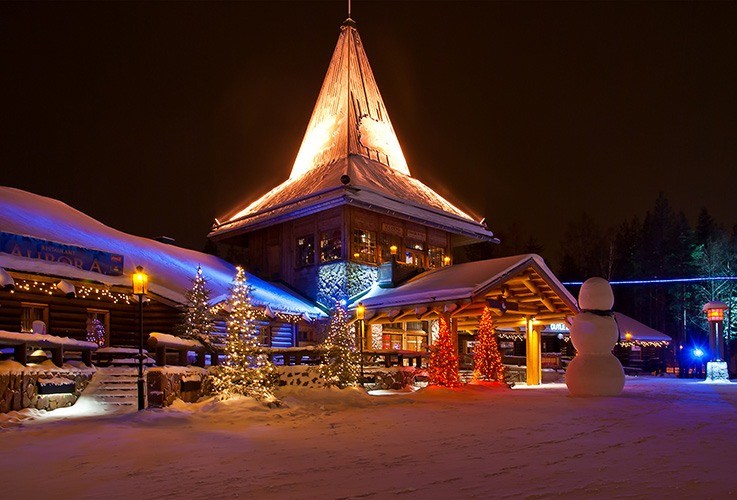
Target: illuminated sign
point(558, 327)
point(86, 259)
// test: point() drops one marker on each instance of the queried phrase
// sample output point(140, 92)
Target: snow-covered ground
point(661, 438)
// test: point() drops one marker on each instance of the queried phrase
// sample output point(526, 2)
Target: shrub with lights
point(487, 360)
point(341, 363)
point(247, 370)
point(443, 364)
point(198, 322)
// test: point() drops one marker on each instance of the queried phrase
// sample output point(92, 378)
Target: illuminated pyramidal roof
point(351, 155)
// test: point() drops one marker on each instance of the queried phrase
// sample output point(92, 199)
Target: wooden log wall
point(68, 316)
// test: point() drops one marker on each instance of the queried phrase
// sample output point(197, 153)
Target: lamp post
point(716, 369)
point(140, 288)
point(360, 315)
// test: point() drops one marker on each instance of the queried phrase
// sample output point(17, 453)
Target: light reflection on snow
point(522, 385)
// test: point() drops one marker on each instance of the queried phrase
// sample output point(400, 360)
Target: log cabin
point(66, 269)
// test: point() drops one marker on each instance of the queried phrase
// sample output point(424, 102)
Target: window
point(416, 342)
point(436, 256)
point(103, 317)
point(331, 246)
point(414, 257)
point(364, 245)
point(33, 312)
point(305, 250)
point(469, 346)
point(264, 336)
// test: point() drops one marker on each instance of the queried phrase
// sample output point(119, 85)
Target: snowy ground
point(661, 438)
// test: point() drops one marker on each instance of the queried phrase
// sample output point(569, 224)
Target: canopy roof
point(638, 332)
point(170, 268)
point(350, 154)
point(523, 282)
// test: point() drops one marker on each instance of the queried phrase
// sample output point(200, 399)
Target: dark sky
point(157, 117)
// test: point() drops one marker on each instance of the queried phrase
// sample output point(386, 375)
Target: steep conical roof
point(350, 117)
point(350, 154)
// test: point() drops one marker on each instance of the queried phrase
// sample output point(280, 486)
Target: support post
point(141, 396)
point(533, 354)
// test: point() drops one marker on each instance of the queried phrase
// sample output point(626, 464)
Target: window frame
point(298, 261)
point(32, 306)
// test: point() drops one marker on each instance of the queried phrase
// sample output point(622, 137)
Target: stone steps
point(115, 387)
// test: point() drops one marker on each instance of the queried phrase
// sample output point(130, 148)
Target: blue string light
point(660, 281)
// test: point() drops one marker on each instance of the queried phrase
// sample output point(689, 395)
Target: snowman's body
point(595, 371)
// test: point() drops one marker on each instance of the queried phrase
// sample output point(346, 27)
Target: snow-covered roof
point(638, 331)
point(372, 185)
point(462, 281)
point(170, 268)
point(350, 134)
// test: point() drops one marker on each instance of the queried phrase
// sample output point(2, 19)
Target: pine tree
point(443, 364)
point(341, 363)
point(198, 322)
point(96, 332)
point(247, 370)
point(487, 360)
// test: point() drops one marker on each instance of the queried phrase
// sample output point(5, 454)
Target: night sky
point(155, 118)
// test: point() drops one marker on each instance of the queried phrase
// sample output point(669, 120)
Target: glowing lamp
point(140, 281)
point(715, 310)
point(446, 261)
point(393, 249)
point(360, 311)
point(628, 336)
point(698, 353)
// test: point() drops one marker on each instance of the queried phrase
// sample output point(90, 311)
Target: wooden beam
point(531, 286)
point(463, 308)
point(377, 319)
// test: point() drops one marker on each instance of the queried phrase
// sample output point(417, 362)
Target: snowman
point(595, 371)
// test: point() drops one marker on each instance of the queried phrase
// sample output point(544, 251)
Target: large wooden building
point(349, 199)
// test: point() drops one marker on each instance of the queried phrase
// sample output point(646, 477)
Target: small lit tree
point(443, 364)
point(341, 362)
point(487, 360)
point(247, 370)
point(96, 332)
point(197, 321)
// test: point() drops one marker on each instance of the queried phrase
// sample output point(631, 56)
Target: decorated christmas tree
point(341, 362)
point(247, 370)
point(443, 364)
point(197, 322)
point(487, 360)
point(96, 332)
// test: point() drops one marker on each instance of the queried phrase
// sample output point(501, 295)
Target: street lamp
point(140, 288)
point(360, 315)
point(716, 369)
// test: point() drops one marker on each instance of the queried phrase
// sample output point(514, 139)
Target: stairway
point(114, 388)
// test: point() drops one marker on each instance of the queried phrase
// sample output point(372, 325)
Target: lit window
point(305, 250)
point(33, 312)
point(331, 246)
point(436, 256)
point(364, 245)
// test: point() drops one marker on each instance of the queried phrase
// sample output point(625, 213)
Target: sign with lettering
point(86, 259)
point(416, 235)
point(391, 229)
point(558, 327)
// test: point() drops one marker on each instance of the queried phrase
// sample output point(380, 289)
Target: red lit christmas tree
point(443, 365)
point(487, 360)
